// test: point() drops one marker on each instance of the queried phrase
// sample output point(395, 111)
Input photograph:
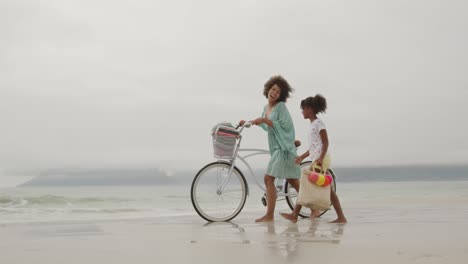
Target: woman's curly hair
point(318, 103)
point(282, 84)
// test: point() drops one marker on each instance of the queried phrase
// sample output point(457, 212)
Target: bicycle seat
point(297, 143)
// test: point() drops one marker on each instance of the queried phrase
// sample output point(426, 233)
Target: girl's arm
point(302, 157)
point(324, 137)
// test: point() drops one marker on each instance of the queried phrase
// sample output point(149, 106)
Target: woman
point(277, 121)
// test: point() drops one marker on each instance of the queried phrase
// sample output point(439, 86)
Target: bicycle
point(219, 190)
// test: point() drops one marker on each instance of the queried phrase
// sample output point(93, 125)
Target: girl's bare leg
point(339, 211)
point(314, 214)
point(295, 214)
point(271, 199)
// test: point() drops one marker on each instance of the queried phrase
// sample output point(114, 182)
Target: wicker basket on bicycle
point(224, 140)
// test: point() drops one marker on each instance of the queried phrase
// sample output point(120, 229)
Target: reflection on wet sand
point(284, 239)
point(289, 240)
point(226, 231)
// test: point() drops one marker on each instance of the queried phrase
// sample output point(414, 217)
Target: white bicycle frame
point(236, 156)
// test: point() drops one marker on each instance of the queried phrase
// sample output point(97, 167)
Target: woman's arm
point(263, 120)
point(280, 109)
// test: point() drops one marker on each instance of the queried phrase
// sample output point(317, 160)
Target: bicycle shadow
point(224, 231)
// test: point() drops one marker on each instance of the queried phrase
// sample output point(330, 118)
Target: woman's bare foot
point(265, 218)
point(339, 221)
point(290, 217)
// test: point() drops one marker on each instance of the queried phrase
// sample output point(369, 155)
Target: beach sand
point(193, 241)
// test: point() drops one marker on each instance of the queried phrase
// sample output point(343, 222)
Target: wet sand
point(193, 241)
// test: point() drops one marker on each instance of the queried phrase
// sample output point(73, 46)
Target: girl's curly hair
point(318, 103)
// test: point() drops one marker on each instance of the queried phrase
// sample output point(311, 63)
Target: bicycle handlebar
point(245, 125)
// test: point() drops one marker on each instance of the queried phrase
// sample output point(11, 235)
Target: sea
point(367, 194)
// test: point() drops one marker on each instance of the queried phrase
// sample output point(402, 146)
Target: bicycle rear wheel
point(291, 197)
point(213, 204)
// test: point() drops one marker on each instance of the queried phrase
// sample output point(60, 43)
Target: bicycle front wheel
point(291, 197)
point(213, 203)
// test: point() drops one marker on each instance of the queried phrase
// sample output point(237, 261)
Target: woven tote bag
point(311, 195)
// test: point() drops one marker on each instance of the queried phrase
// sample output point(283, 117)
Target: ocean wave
point(35, 211)
point(43, 200)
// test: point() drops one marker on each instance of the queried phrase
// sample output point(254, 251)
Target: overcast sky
point(100, 83)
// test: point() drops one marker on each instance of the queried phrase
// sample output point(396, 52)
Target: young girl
point(318, 147)
point(277, 121)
